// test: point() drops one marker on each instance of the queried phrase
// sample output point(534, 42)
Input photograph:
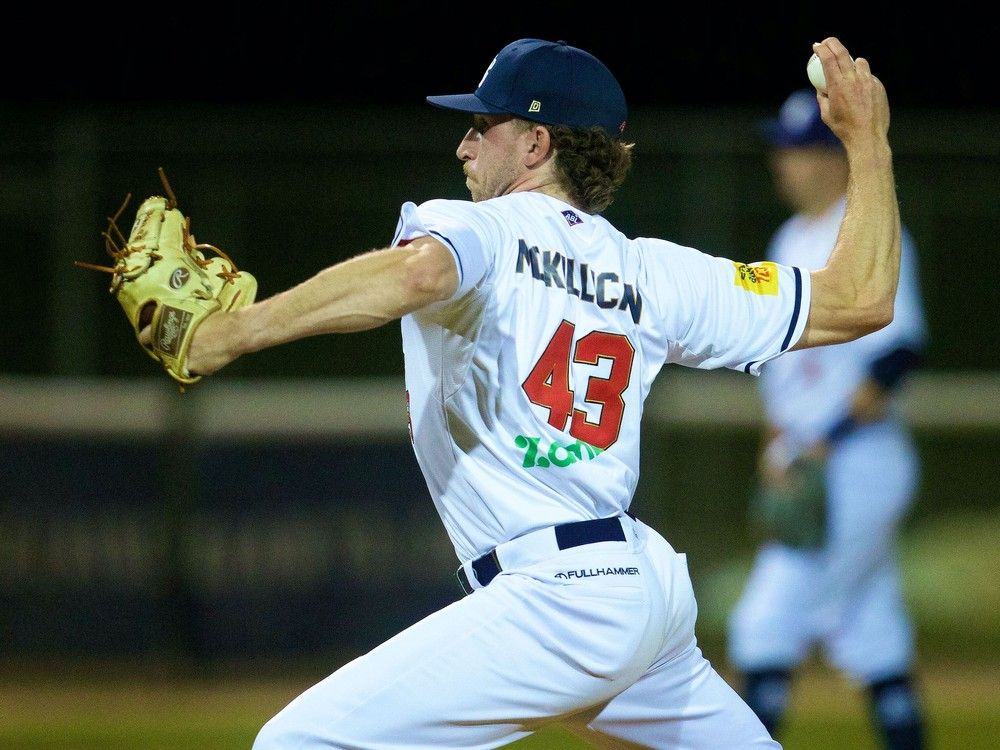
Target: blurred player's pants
point(599, 637)
point(847, 596)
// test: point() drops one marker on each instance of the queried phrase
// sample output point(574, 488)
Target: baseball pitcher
point(532, 332)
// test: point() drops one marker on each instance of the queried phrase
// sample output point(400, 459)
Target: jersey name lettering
point(599, 288)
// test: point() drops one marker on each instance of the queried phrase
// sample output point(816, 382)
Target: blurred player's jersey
point(807, 392)
point(526, 389)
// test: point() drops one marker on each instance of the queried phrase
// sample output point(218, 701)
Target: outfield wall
point(248, 518)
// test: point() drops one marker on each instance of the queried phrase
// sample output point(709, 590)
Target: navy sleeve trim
point(461, 271)
point(795, 309)
point(844, 427)
point(889, 369)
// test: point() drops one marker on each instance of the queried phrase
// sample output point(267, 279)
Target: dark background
point(292, 134)
point(376, 52)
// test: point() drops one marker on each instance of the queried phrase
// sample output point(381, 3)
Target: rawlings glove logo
point(179, 278)
point(173, 324)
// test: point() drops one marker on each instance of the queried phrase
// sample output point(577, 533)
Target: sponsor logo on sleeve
point(759, 278)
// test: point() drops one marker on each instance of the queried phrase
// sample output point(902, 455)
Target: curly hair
point(590, 164)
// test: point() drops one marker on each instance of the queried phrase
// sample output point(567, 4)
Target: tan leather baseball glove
point(162, 278)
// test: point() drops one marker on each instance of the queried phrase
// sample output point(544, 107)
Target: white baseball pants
point(599, 638)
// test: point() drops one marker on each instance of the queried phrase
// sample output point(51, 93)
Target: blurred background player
point(836, 408)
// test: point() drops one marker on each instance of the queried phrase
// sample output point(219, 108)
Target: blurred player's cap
point(547, 82)
point(798, 123)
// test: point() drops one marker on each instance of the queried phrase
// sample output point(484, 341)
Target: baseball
point(814, 69)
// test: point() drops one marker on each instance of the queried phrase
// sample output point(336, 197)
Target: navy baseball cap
point(548, 82)
point(799, 123)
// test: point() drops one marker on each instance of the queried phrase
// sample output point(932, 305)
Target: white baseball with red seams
point(814, 69)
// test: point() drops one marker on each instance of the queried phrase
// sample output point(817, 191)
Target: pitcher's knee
point(277, 734)
point(290, 730)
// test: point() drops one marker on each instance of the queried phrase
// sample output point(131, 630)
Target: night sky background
point(386, 53)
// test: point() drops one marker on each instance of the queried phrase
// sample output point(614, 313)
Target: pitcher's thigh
point(682, 705)
point(481, 673)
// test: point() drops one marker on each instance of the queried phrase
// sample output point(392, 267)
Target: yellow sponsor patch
point(759, 278)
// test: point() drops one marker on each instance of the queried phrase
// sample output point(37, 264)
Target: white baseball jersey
point(525, 394)
point(807, 392)
point(526, 388)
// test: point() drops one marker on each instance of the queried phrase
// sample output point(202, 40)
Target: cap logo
point(535, 106)
point(483, 79)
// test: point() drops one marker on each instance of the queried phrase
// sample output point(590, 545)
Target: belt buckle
point(567, 535)
point(463, 580)
point(485, 569)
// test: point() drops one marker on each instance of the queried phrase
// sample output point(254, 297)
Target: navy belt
point(567, 535)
